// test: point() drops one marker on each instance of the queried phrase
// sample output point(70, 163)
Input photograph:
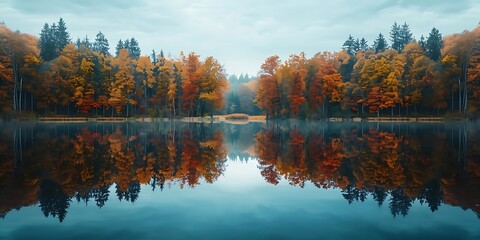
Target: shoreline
point(226, 119)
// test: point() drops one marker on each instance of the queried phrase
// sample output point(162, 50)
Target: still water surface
point(281, 180)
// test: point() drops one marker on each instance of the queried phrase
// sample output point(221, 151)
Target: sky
point(240, 34)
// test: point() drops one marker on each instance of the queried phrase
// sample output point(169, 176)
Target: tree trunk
point(145, 99)
point(452, 98)
point(465, 92)
point(459, 95)
point(32, 96)
point(20, 97)
point(14, 86)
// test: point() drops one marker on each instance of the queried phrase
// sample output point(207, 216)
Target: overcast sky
point(240, 34)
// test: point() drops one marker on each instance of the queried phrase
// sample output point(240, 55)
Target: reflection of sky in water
point(241, 205)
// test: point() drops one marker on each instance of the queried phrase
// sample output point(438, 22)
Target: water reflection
point(54, 165)
point(394, 164)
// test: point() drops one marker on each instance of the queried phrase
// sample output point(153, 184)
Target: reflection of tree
point(101, 195)
point(53, 201)
point(83, 163)
point(432, 194)
point(399, 202)
point(379, 195)
point(352, 194)
point(267, 147)
point(130, 194)
point(399, 164)
point(297, 158)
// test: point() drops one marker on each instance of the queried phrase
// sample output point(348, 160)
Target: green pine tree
point(434, 45)
point(380, 44)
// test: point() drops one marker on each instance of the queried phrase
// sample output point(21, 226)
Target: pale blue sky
point(241, 34)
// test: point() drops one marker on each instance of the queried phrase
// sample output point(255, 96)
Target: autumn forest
point(54, 75)
point(396, 75)
point(430, 76)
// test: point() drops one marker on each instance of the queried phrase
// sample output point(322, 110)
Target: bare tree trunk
point(145, 99)
point(452, 98)
point(14, 86)
point(465, 94)
point(459, 96)
point(20, 96)
point(32, 96)
point(14, 97)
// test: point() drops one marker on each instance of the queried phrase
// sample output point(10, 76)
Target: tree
point(164, 78)
point(434, 93)
point(172, 86)
point(405, 36)
point(60, 75)
point(434, 45)
point(32, 80)
point(126, 45)
point(47, 43)
point(133, 48)
point(119, 47)
point(83, 91)
point(53, 39)
point(380, 44)
point(145, 76)
point(349, 45)
point(122, 88)
point(267, 96)
point(85, 43)
point(412, 85)
point(14, 47)
point(62, 37)
point(153, 57)
point(423, 43)
point(213, 83)
point(372, 75)
point(374, 99)
point(344, 64)
point(296, 85)
point(390, 93)
point(328, 84)
point(101, 44)
point(333, 87)
point(464, 46)
point(191, 79)
point(473, 82)
point(451, 73)
point(363, 45)
point(176, 81)
point(396, 37)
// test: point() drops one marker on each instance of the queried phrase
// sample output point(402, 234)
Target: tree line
point(432, 75)
point(53, 75)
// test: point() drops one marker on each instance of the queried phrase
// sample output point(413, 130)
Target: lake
point(275, 180)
